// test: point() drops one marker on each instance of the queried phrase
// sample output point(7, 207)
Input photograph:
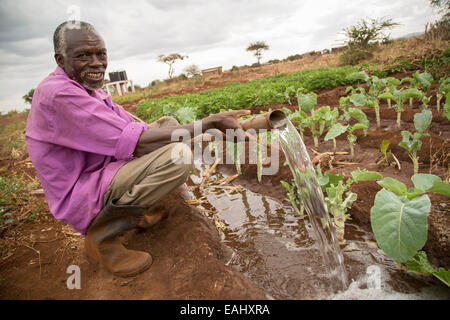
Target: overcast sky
point(211, 32)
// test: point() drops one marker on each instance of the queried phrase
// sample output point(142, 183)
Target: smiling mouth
point(94, 75)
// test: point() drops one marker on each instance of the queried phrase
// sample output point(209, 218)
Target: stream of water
point(306, 181)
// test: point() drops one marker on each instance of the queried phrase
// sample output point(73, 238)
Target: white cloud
point(211, 33)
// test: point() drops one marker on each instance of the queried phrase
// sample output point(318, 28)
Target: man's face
point(85, 60)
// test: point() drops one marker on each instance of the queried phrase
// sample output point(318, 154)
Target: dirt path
point(189, 263)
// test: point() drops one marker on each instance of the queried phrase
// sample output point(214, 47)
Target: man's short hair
point(59, 38)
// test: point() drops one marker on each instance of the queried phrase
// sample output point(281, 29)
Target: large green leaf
point(424, 181)
point(358, 99)
point(422, 120)
point(185, 115)
point(307, 101)
point(412, 93)
point(399, 224)
point(419, 263)
point(358, 76)
point(391, 184)
point(410, 141)
point(386, 95)
point(441, 188)
point(333, 179)
point(425, 78)
point(446, 111)
point(443, 275)
point(336, 130)
point(384, 146)
point(365, 175)
point(359, 126)
point(359, 115)
point(392, 81)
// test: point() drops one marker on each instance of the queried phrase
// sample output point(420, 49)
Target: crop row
point(276, 89)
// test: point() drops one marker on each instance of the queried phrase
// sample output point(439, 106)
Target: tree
point(29, 96)
point(170, 59)
point(192, 70)
point(363, 37)
point(439, 29)
point(442, 5)
point(365, 33)
point(258, 47)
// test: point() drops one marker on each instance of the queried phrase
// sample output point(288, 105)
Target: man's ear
point(59, 58)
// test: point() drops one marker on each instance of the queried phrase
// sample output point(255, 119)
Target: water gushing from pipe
point(310, 192)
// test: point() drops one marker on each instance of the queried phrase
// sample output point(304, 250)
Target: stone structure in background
point(212, 72)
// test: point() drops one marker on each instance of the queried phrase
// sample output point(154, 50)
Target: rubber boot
point(102, 242)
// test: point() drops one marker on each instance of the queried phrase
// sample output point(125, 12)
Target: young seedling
point(376, 84)
point(384, 150)
point(444, 90)
point(357, 96)
point(298, 116)
point(318, 120)
point(339, 198)
point(294, 198)
point(307, 101)
point(411, 142)
point(338, 129)
point(390, 86)
point(358, 77)
point(331, 119)
point(344, 105)
point(425, 101)
point(446, 111)
point(419, 263)
point(400, 97)
point(423, 79)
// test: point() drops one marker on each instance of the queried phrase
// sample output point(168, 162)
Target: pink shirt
point(76, 143)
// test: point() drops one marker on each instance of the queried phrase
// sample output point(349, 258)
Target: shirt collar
point(97, 93)
point(60, 71)
point(101, 94)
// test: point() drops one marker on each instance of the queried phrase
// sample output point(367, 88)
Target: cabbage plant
point(338, 129)
point(399, 215)
point(444, 90)
point(411, 141)
point(339, 198)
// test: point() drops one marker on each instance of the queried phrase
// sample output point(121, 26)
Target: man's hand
point(227, 120)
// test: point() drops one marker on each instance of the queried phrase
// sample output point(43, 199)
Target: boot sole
point(135, 273)
point(93, 261)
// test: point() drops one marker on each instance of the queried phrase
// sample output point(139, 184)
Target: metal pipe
point(269, 120)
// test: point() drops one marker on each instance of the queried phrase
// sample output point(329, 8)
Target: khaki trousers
point(145, 180)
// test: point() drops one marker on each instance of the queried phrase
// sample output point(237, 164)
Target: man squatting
point(100, 170)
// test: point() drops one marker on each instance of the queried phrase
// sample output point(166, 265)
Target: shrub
point(354, 56)
point(294, 57)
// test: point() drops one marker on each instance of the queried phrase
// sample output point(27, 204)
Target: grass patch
point(12, 135)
